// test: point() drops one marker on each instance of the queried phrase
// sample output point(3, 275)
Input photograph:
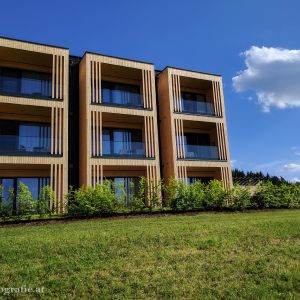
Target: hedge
point(176, 196)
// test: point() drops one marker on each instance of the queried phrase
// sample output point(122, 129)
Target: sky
point(254, 45)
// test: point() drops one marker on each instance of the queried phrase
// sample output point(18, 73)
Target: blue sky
point(207, 36)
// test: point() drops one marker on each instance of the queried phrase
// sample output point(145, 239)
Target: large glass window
point(198, 146)
point(35, 184)
point(27, 83)
point(125, 187)
point(24, 138)
point(123, 142)
point(196, 103)
point(121, 94)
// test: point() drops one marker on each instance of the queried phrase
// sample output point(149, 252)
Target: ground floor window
point(128, 187)
point(191, 180)
point(35, 184)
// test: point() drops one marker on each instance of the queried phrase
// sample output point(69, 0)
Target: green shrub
point(182, 196)
point(25, 202)
point(215, 195)
point(238, 198)
point(7, 205)
point(45, 202)
point(138, 201)
point(88, 201)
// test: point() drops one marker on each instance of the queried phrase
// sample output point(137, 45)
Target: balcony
point(24, 138)
point(24, 145)
point(197, 107)
point(123, 149)
point(17, 82)
point(199, 152)
point(194, 103)
point(119, 94)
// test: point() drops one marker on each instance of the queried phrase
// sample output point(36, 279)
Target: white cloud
point(292, 167)
point(295, 180)
point(233, 162)
point(273, 74)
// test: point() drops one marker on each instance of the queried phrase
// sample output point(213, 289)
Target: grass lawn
point(204, 256)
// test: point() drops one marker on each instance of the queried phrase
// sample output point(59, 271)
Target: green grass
point(204, 256)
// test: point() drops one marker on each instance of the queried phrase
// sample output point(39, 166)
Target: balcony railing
point(24, 145)
point(25, 83)
point(197, 107)
point(201, 152)
point(123, 149)
point(118, 94)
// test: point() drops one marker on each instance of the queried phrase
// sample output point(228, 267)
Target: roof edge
point(118, 57)
point(30, 42)
point(198, 72)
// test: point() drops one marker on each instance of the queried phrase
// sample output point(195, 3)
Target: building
point(118, 121)
point(193, 133)
point(34, 117)
point(118, 127)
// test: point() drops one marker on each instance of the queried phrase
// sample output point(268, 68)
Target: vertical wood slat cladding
point(96, 174)
point(182, 173)
point(217, 99)
point(57, 178)
point(57, 116)
point(226, 177)
point(95, 76)
point(96, 129)
point(152, 179)
point(221, 141)
point(147, 89)
point(58, 72)
point(179, 137)
point(149, 136)
point(176, 93)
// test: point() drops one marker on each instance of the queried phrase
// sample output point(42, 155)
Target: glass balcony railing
point(125, 149)
point(24, 145)
point(201, 152)
point(132, 100)
point(25, 83)
point(120, 94)
point(197, 107)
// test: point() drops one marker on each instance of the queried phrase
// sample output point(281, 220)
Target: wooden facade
point(174, 122)
point(55, 61)
point(94, 115)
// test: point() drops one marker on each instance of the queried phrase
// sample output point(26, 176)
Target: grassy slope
point(229, 256)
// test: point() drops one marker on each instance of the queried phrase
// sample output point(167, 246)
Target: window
point(196, 103)
point(200, 139)
point(28, 83)
point(24, 138)
point(198, 146)
point(126, 187)
point(122, 142)
point(35, 184)
point(121, 94)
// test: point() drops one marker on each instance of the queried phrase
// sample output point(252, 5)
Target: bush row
point(177, 196)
